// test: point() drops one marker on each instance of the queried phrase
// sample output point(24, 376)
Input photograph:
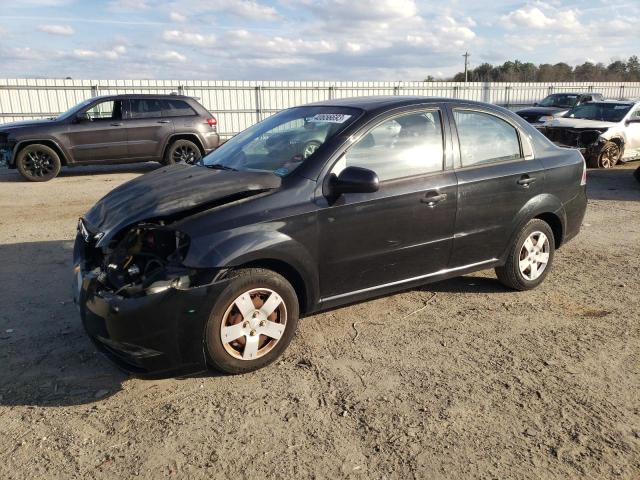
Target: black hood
point(169, 191)
point(27, 123)
point(542, 110)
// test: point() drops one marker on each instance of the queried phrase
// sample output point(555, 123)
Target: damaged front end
point(139, 303)
point(590, 141)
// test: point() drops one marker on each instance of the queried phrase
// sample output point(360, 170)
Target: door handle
point(432, 198)
point(526, 181)
point(164, 121)
point(116, 124)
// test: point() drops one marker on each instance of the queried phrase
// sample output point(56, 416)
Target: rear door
point(147, 128)
point(403, 230)
point(100, 134)
point(497, 175)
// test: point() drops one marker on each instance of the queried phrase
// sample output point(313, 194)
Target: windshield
point(73, 110)
point(561, 100)
point(283, 141)
point(608, 112)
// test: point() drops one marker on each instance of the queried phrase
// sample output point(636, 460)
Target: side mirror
point(535, 104)
point(82, 117)
point(632, 120)
point(355, 180)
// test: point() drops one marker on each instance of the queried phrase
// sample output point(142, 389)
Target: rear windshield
point(282, 142)
point(607, 112)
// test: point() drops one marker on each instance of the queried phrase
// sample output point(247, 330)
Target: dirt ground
point(459, 379)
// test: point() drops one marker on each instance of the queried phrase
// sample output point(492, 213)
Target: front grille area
point(563, 136)
point(530, 117)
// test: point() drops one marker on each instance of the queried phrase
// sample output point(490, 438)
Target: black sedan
point(211, 265)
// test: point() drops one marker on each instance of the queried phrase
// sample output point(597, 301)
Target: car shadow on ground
point(617, 184)
point(10, 175)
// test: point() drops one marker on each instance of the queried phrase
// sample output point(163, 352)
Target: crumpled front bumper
point(160, 333)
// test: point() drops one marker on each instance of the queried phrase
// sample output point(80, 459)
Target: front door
point(98, 134)
point(402, 231)
point(632, 145)
point(497, 176)
point(147, 128)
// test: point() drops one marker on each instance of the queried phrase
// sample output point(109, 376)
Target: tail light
point(212, 122)
point(583, 180)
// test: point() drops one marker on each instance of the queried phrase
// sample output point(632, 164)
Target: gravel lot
point(459, 379)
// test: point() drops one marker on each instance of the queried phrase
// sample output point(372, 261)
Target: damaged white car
point(606, 132)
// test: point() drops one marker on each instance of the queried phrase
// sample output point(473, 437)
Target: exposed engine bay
point(590, 140)
point(143, 260)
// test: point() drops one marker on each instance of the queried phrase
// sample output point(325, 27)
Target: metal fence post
point(621, 92)
point(455, 91)
point(94, 90)
point(507, 95)
point(258, 90)
point(396, 90)
point(180, 89)
point(330, 92)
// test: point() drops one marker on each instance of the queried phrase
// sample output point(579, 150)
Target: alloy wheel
point(253, 324)
point(185, 154)
point(39, 164)
point(609, 156)
point(534, 255)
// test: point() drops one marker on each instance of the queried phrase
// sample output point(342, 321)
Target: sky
point(304, 39)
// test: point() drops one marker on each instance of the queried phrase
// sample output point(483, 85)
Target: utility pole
point(466, 63)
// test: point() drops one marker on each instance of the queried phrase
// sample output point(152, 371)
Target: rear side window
point(485, 138)
point(146, 108)
point(176, 108)
point(401, 147)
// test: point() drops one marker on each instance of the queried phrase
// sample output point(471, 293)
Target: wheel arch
point(545, 207)
point(47, 142)
point(192, 137)
point(290, 273)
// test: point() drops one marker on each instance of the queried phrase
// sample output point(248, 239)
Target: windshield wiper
point(216, 166)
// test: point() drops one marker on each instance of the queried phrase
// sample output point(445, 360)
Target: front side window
point(401, 147)
point(282, 142)
point(485, 138)
point(109, 110)
point(146, 108)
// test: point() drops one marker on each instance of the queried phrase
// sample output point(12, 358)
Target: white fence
point(239, 104)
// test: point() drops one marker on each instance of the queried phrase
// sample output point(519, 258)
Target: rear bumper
point(158, 334)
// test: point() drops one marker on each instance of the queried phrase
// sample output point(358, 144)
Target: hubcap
point(38, 163)
point(534, 255)
point(253, 324)
point(184, 154)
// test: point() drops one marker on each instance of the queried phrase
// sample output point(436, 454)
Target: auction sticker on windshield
point(329, 118)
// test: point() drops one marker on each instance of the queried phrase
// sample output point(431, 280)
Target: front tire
point(38, 163)
point(608, 157)
point(252, 322)
point(182, 151)
point(530, 257)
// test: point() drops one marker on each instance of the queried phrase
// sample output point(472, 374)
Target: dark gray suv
point(111, 129)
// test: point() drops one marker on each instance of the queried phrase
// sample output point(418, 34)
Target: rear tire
point(530, 257)
point(38, 163)
point(238, 342)
point(182, 151)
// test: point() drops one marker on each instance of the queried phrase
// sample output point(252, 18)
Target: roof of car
point(125, 96)
point(390, 101)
